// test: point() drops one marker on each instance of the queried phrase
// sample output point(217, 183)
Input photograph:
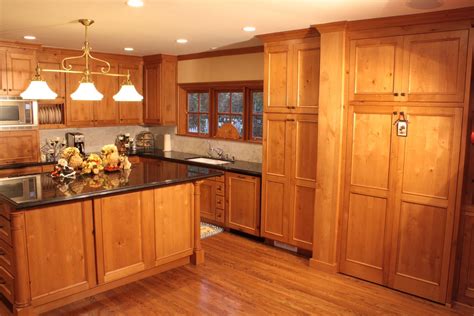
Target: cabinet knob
point(396, 94)
point(402, 94)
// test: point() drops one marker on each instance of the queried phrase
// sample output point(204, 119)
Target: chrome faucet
point(219, 152)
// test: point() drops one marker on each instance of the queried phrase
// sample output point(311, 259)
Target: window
point(198, 113)
point(206, 107)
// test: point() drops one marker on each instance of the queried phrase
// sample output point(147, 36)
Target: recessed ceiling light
point(29, 37)
point(249, 29)
point(135, 3)
point(128, 49)
point(181, 41)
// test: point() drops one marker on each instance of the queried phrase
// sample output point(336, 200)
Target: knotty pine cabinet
point(289, 178)
point(399, 197)
point(160, 92)
point(428, 67)
point(19, 146)
point(17, 66)
point(51, 59)
point(213, 200)
point(131, 113)
point(242, 203)
point(291, 80)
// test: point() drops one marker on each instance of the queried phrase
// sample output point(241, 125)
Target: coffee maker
point(76, 140)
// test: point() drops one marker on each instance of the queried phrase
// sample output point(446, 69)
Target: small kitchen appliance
point(16, 113)
point(76, 140)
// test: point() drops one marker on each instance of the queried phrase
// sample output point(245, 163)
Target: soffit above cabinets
point(155, 27)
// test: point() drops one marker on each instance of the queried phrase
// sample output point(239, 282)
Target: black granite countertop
point(238, 166)
point(244, 167)
point(40, 190)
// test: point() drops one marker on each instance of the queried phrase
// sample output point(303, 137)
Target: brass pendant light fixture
point(39, 89)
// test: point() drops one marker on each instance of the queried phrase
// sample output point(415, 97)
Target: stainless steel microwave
point(16, 113)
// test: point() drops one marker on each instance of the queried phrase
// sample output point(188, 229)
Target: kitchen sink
point(209, 161)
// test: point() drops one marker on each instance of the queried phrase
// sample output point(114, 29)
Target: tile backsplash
point(96, 137)
point(242, 151)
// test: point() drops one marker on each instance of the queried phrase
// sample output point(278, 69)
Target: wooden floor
point(241, 276)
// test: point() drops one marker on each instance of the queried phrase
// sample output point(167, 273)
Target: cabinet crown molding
point(289, 35)
point(331, 27)
point(158, 58)
point(17, 44)
point(466, 14)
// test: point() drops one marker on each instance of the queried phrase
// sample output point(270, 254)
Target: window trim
point(212, 88)
point(199, 134)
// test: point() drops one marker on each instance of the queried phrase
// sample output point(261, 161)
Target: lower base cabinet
point(53, 255)
point(243, 203)
point(232, 201)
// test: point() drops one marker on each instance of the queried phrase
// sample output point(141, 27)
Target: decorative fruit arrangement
point(73, 157)
point(93, 164)
point(110, 158)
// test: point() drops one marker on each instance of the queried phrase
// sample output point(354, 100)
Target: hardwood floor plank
point(241, 276)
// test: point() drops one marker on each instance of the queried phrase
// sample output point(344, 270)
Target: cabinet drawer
point(6, 257)
point(220, 188)
point(6, 284)
point(20, 171)
point(220, 201)
point(219, 179)
point(5, 231)
point(220, 215)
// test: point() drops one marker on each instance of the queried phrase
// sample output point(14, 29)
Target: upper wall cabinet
point(411, 68)
point(292, 76)
point(131, 112)
point(160, 76)
point(56, 80)
point(106, 110)
point(17, 66)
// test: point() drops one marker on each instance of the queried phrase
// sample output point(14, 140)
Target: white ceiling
point(155, 27)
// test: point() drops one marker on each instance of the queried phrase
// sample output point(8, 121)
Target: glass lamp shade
point(128, 93)
point(38, 90)
point(87, 92)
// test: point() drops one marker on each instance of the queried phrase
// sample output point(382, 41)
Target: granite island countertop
point(41, 189)
point(238, 166)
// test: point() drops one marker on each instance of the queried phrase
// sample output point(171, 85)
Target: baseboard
point(323, 266)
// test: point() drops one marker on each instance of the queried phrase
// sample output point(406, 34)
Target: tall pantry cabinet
point(291, 86)
point(400, 200)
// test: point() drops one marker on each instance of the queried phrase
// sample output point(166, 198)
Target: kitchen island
point(61, 241)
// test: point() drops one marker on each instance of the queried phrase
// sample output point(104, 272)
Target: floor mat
point(208, 230)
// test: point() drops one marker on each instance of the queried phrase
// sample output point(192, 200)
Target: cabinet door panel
point(16, 147)
point(172, 243)
point(21, 67)
point(243, 203)
point(276, 141)
point(368, 196)
point(426, 193)
point(364, 238)
point(79, 113)
point(106, 111)
point(278, 74)
point(131, 112)
point(304, 131)
point(306, 58)
point(122, 236)
point(60, 250)
point(208, 200)
point(56, 80)
point(168, 92)
point(435, 66)
point(274, 218)
point(375, 69)
point(152, 93)
point(3, 72)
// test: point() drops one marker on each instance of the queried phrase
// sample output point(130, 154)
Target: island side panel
point(123, 236)
point(174, 223)
point(60, 251)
